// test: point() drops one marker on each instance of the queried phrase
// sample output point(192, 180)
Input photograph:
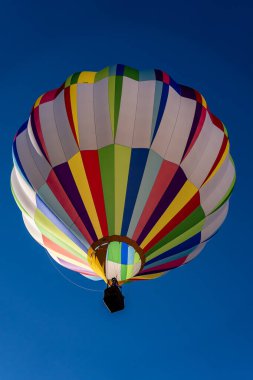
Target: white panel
point(167, 125)
point(32, 228)
point(112, 270)
point(203, 154)
point(32, 138)
point(216, 188)
point(136, 268)
point(23, 192)
point(102, 114)
point(128, 107)
point(66, 137)
point(195, 253)
point(50, 133)
point(27, 161)
point(144, 114)
point(181, 131)
point(214, 221)
point(41, 162)
point(86, 118)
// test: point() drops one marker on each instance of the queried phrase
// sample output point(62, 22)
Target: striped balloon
point(122, 173)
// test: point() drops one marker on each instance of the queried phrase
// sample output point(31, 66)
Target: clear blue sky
point(196, 322)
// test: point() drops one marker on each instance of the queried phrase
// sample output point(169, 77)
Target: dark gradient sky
point(196, 322)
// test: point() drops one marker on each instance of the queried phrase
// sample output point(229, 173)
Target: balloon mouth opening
point(117, 257)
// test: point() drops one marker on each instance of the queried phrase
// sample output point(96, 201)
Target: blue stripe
point(137, 166)
point(188, 244)
point(58, 223)
point(17, 163)
point(163, 101)
point(124, 253)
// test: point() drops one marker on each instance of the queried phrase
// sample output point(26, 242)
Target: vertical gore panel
point(121, 165)
point(91, 164)
point(137, 167)
point(66, 179)
point(106, 159)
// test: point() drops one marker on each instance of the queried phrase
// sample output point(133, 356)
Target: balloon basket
point(114, 299)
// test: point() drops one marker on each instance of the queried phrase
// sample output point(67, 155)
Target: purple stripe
point(176, 184)
point(73, 267)
point(194, 127)
point(67, 181)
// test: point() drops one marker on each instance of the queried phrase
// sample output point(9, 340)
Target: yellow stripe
point(56, 235)
point(203, 101)
point(38, 101)
point(224, 156)
point(97, 267)
point(183, 197)
point(148, 276)
point(87, 77)
point(73, 100)
point(122, 162)
point(78, 171)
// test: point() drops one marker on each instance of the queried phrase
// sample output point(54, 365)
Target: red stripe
point(198, 97)
point(216, 122)
point(49, 96)
point(166, 78)
point(163, 179)
point(63, 199)
point(92, 168)
point(182, 215)
point(166, 266)
point(69, 111)
point(216, 162)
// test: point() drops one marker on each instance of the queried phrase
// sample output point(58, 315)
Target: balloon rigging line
point(68, 279)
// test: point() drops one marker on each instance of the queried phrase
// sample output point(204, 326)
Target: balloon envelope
point(122, 173)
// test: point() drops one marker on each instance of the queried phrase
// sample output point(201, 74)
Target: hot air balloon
point(122, 175)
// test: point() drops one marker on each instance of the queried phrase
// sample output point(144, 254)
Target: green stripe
point(68, 81)
point(118, 92)
point(178, 240)
point(114, 252)
point(48, 229)
point(106, 159)
point(18, 202)
point(226, 196)
point(136, 258)
point(123, 274)
point(131, 73)
point(101, 74)
point(74, 78)
point(194, 218)
point(130, 271)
